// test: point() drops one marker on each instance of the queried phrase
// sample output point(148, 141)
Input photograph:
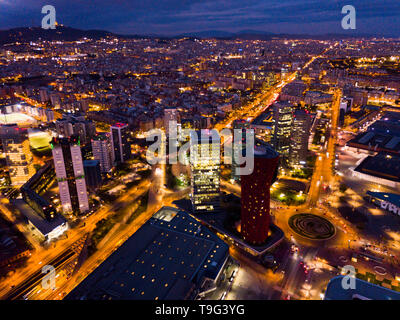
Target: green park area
point(302, 173)
point(288, 197)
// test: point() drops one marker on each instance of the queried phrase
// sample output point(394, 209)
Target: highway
point(323, 171)
point(44, 256)
point(35, 280)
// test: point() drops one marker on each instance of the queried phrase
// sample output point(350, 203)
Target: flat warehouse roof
point(164, 259)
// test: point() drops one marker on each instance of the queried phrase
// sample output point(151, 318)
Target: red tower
point(255, 198)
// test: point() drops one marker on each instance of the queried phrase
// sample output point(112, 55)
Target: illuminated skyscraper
point(18, 155)
point(103, 151)
point(299, 138)
point(205, 162)
point(255, 195)
point(120, 142)
point(283, 119)
point(67, 157)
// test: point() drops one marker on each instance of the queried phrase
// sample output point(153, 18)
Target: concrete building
point(44, 229)
point(67, 157)
point(18, 155)
point(103, 151)
point(72, 124)
point(170, 115)
point(37, 184)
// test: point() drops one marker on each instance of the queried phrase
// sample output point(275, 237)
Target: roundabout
point(380, 270)
point(311, 226)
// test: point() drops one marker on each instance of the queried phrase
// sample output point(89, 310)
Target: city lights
point(199, 151)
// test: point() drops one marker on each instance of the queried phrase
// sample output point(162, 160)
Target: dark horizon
point(175, 17)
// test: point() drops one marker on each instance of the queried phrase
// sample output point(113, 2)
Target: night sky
point(167, 17)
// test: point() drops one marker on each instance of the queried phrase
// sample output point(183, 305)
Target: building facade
point(67, 157)
point(18, 155)
point(205, 163)
point(255, 195)
point(120, 142)
point(283, 119)
point(103, 151)
point(170, 115)
point(299, 138)
point(76, 124)
point(92, 174)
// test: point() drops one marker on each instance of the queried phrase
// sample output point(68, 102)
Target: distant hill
point(28, 34)
point(261, 35)
point(60, 33)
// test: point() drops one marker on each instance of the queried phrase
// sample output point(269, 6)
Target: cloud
point(175, 16)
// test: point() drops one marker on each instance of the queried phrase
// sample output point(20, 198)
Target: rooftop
point(90, 163)
point(164, 259)
point(376, 141)
point(382, 165)
point(390, 197)
point(43, 225)
point(119, 125)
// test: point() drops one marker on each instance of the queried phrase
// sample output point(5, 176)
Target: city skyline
point(214, 167)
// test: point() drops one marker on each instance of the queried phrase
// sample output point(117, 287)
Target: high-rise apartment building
point(283, 119)
point(76, 124)
point(170, 115)
point(205, 162)
point(67, 157)
point(120, 142)
point(255, 195)
point(18, 155)
point(103, 151)
point(299, 138)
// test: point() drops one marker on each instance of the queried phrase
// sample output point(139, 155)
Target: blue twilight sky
point(376, 17)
